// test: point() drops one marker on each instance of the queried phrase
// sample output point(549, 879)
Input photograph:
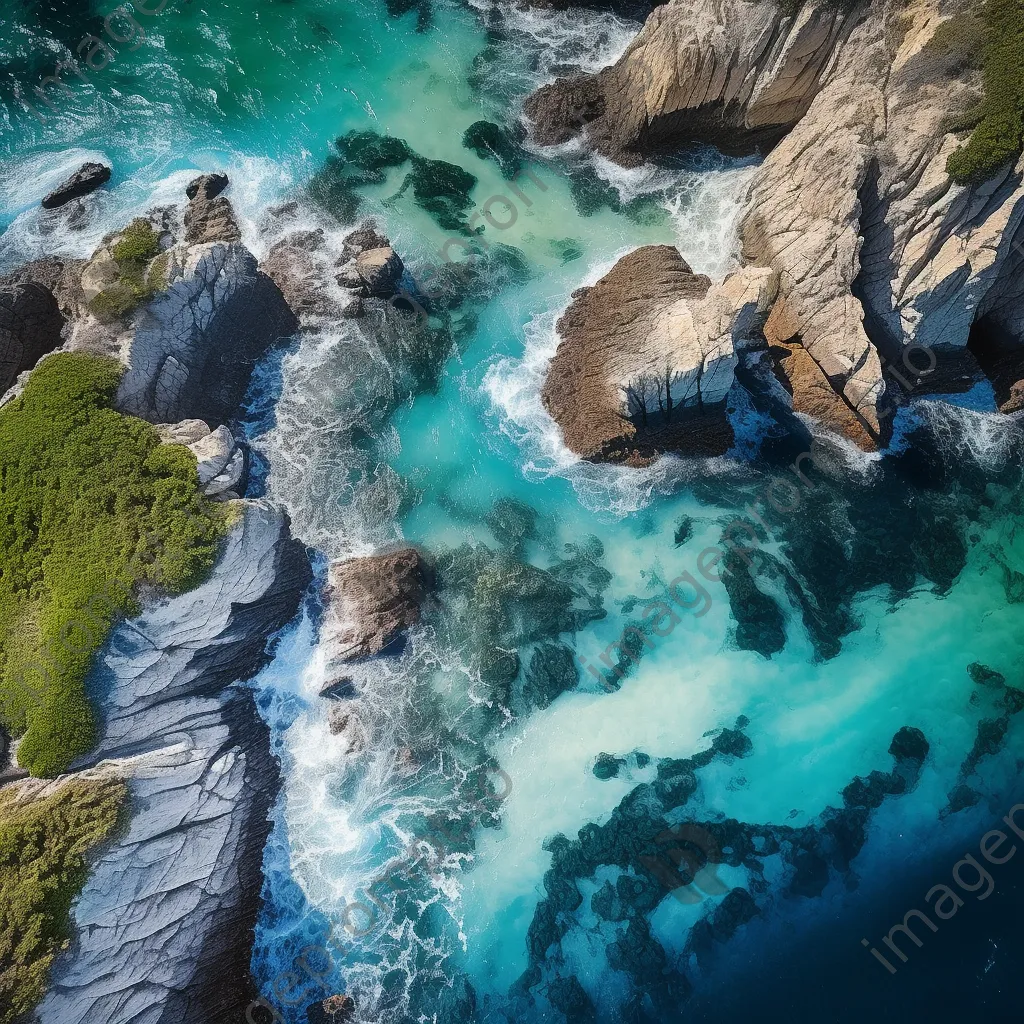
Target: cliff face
point(872, 245)
point(735, 73)
point(164, 922)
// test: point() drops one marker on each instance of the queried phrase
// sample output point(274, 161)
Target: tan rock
point(647, 358)
point(730, 72)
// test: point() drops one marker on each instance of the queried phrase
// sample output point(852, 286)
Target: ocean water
point(491, 848)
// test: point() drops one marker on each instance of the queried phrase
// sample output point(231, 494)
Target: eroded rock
point(30, 326)
point(373, 601)
point(647, 358)
point(165, 920)
point(195, 345)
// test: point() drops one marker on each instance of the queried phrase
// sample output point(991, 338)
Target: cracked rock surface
point(164, 923)
point(196, 344)
point(647, 358)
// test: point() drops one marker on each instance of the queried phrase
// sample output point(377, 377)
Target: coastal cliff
point(164, 922)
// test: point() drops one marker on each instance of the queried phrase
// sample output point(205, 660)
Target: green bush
point(91, 505)
point(138, 244)
point(43, 846)
point(999, 134)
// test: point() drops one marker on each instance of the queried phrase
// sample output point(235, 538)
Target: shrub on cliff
point(43, 846)
point(999, 133)
point(91, 506)
point(141, 269)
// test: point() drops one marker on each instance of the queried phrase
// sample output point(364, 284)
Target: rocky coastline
point(880, 264)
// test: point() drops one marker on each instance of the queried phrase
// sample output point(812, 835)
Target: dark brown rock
point(30, 326)
point(210, 184)
point(209, 217)
point(86, 179)
point(372, 601)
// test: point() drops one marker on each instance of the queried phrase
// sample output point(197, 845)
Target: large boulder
point(372, 602)
point(195, 345)
point(30, 326)
point(86, 179)
point(647, 358)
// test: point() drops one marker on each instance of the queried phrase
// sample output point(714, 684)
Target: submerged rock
point(372, 602)
point(332, 1010)
point(86, 179)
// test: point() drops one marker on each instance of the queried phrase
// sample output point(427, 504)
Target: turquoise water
point(909, 563)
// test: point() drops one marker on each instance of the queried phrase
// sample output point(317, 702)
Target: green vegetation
point(138, 281)
point(998, 122)
point(43, 846)
point(91, 506)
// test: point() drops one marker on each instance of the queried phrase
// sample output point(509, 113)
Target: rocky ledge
point(647, 357)
point(884, 266)
point(164, 923)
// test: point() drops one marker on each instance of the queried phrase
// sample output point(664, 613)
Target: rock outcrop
point(221, 461)
point(647, 358)
point(877, 253)
point(196, 344)
point(164, 923)
point(372, 601)
point(30, 326)
point(209, 216)
point(86, 179)
point(730, 72)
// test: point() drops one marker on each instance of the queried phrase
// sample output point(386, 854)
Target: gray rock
point(196, 344)
point(164, 922)
point(86, 179)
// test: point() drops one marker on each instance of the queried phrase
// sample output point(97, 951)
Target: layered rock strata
point(164, 923)
point(730, 72)
point(877, 253)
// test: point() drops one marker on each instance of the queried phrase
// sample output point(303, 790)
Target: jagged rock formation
point(30, 326)
point(164, 922)
point(372, 601)
point(647, 358)
point(874, 248)
point(86, 179)
point(209, 216)
point(195, 345)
